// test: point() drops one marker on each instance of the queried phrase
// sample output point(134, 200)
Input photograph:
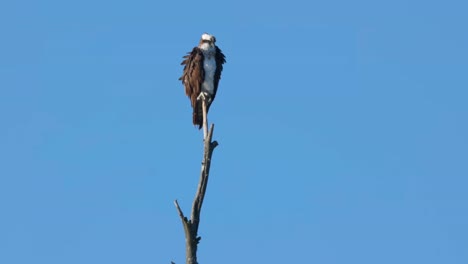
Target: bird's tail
point(198, 115)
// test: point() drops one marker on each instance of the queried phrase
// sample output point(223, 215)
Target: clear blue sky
point(342, 127)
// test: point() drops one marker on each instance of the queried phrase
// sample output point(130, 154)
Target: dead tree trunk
point(191, 225)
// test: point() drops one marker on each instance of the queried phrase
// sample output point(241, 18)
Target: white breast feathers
point(209, 65)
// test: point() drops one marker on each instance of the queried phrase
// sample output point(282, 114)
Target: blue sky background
point(342, 128)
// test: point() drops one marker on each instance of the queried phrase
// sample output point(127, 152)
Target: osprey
point(202, 71)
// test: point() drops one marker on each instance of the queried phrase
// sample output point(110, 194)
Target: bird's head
point(207, 41)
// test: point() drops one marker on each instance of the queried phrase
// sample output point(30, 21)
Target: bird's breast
point(209, 65)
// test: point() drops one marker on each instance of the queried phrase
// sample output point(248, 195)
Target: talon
point(202, 96)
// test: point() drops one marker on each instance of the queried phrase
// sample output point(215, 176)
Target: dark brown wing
point(192, 77)
point(220, 60)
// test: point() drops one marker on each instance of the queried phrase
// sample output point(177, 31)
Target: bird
point(202, 72)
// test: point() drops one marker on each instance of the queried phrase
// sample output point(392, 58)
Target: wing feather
point(193, 74)
point(220, 60)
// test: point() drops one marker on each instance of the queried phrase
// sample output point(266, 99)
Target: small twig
point(181, 214)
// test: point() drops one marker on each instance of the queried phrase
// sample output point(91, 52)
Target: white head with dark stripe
point(207, 42)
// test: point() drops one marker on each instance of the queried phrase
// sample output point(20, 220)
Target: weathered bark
point(191, 225)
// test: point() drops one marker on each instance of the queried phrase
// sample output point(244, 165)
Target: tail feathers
point(198, 117)
point(198, 114)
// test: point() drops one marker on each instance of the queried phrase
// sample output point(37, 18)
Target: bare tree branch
point(205, 118)
point(191, 226)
